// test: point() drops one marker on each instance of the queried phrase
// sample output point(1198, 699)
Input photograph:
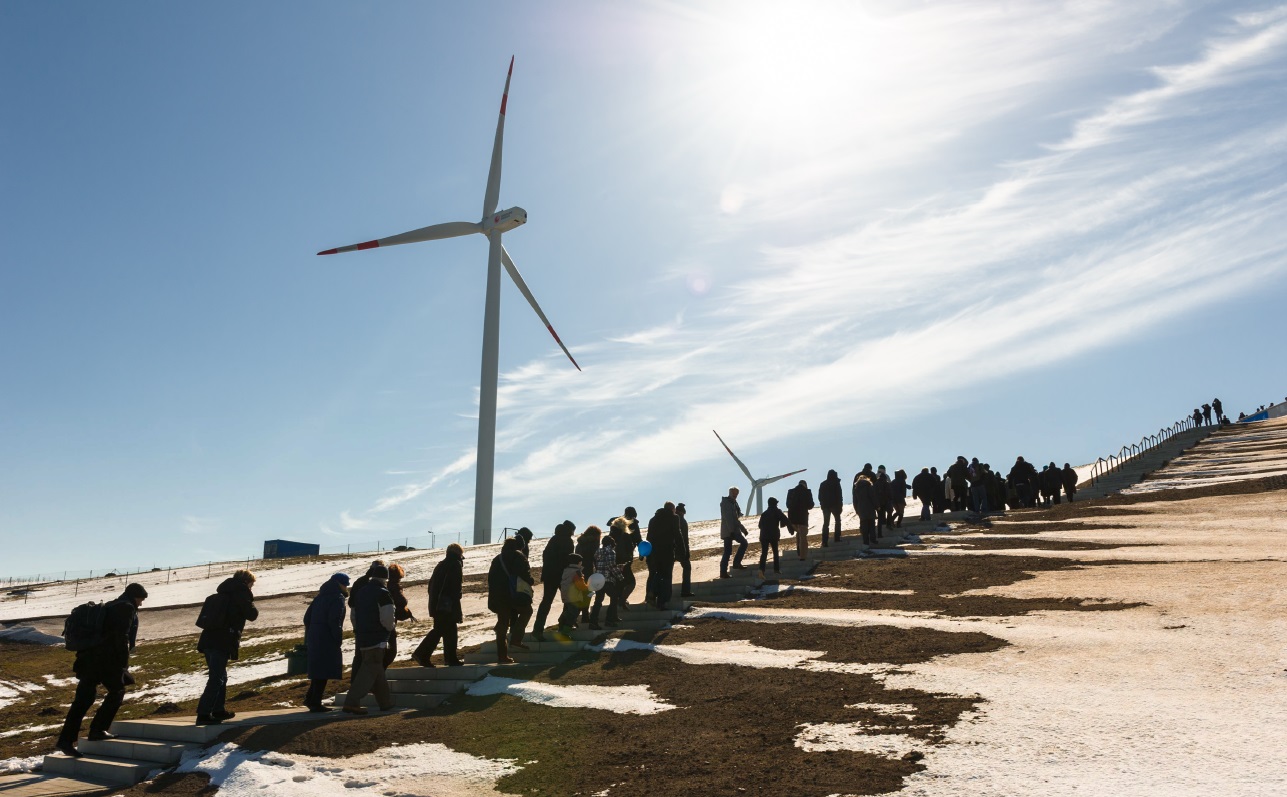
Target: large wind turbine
point(757, 485)
point(493, 224)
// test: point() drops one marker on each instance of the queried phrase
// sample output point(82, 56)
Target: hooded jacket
point(864, 499)
point(446, 586)
point(799, 501)
point(663, 533)
point(324, 632)
point(239, 608)
point(555, 556)
point(831, 494)
point(772, 521)
point(373, 615)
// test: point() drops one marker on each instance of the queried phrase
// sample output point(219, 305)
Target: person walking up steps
point(898, 498)
point(831, 497)
point(587, 546)
point(446, 588)
point(103, 661)
point(400, 610)
point(606, 565)
point(509, 596)
point(626, 531)
point(684, 554)
point(799, 502)
point(730, 529)
point(576, 596)
point(323, 636)
point(772, 521)
point(553, 559)
point(864, 495)
point(663, 535)
point(1070, 482)
point(220, 641)
point(373, 620)
point(923, 491)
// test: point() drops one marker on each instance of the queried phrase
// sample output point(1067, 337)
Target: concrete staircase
point(1134, 471)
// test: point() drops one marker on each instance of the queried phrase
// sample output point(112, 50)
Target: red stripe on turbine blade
point(368, 245)
point(329, 252)
point(565, 348)
point(504, 99)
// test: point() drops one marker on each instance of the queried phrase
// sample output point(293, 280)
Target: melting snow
point(28, 635)
point(618, 699)
point(831, 736)
point(12, 691)
point(413, 769)
point(17, 766)
point(28, 729)
point(741, 653)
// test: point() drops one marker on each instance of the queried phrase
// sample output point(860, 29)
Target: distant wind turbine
point(757, 485)
point(493, 224)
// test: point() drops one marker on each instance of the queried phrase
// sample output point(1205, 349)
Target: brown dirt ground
point(995, 544)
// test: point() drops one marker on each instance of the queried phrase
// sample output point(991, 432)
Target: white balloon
point(597, 581)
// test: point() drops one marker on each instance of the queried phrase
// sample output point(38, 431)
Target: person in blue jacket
point(323, 635)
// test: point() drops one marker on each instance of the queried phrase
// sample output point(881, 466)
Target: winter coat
point(730, 523)
point(625, 533)
point(884, 495)
point(682, 552)
point(772, 521)
point(831, 493)
point(923, 486)
point(799, 501)
point(864, 499)
point(400, 603)
point(1070, 480)
point(606, 563)
point(567, 578)
point(898, 490)
point(663, 533)
point(958, 474)
point(500, 583)
point(109, 660)
point(446, 586)
point(587, 547)
point(324, 632)
point(372, 615)
point(238, 609)
point(555, 556)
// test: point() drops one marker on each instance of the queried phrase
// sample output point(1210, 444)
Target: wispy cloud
point(199, 526)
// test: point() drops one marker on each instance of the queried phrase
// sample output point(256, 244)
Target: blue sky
point(837, 233)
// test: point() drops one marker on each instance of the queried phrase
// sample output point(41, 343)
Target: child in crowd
point(575, 593)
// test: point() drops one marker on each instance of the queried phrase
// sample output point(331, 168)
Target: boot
point(594, 619)
point(502, 650)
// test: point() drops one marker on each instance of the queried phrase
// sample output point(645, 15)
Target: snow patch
point(12, 691)
point(618, 699)
point(28, 635)
point(853, 736)
point(741, 653)
point(29, 729)
point(18, 766)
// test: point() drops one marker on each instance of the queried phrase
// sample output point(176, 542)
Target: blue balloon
point(645, 548)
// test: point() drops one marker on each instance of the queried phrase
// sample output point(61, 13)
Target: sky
point(837, 233)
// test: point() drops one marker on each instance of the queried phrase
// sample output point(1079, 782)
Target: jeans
point(660, 574)
point(728, 551)
point(613, 591)
point(512, 620)
point(801, 541)
point(370, 678)
point(765, 547)
point(444, 629)
point(547, 600)
point(216, 692)
point(86, 693)
point(687, 567)
point(827, 515)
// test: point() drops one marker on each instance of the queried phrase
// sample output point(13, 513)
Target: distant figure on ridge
point(230, 608)
point(105, 663)
point(1206, 414)
point(323, 636)
point(1218, 407)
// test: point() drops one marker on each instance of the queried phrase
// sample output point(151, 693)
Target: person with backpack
point(772, 521)
point(102, 636)
point(606, 565)
point(509, 596)
point(373, 620)
point(223, 618)
point(575, 593)
point(323, 636)
point(553, 559)
point(446, 588)
point(799, 504)
point(923, 491)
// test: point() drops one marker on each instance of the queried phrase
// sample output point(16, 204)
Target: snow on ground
point(415, 769)
point(12, 691)
point(28, 635)
point(828, 736)
point(189, 685)
point(29, 729)
point(17, 766)
point(617, 699)
point(1253, 453)
point(740, 652)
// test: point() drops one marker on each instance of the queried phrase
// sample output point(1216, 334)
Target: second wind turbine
point(757, 485)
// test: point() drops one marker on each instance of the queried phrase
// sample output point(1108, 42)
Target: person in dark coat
point(1219, 409)
point(772, 521)
point(323, 636)
point(884, 500)
point(979, 489)
point(831, 499)
point(221, 643)
point(958, 474)
point(683, 554)
point(731, 530)
point(799, 504)
point(353, 592)
point(553, 559)
point(864, 495)
point(939, 503)
point(400, 610)
point(625, 532)
point(509, 596)
point(106, 664)
point(898, 498)
point(525, 534)
point(663, 535)
point(1070, 481)
point(1020, 477)
point(923, 491)
point(373, 619)
point(446, 588)
point(587, 546)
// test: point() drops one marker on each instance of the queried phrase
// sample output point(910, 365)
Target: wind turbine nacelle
point(505, 220)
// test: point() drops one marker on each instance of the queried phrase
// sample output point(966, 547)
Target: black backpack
point(83, 628)
point(213, 612)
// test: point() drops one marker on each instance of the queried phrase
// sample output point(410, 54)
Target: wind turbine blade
point(494, 173)
point(772, 479)
point(434, 232)
point(527, 294)
point(739, 462)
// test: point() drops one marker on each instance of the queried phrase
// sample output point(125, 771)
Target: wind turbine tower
point(493, 225)
point(757, 485)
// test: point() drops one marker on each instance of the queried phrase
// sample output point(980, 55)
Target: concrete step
point(469, 672)
point(725, 596)
point(401, 700)
point(522, 656)
point(113, 771)
point(550, 645)
point(135, 749)
point(184, 729)
point(430, 687)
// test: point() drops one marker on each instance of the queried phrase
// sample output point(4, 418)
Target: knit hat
point(135, 590)
point(342, 578)
point(525, 533)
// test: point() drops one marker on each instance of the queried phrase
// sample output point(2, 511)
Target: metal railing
point(1114, 463)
